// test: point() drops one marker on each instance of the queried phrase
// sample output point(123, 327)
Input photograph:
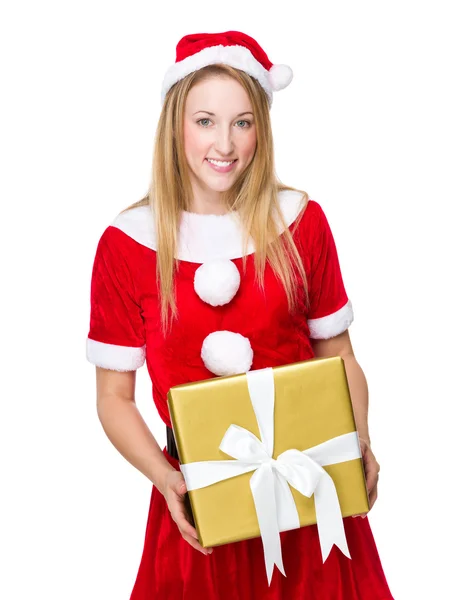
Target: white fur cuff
point(116, 358)
point(331, 325)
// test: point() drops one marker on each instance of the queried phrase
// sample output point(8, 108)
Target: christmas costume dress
point(253, 329)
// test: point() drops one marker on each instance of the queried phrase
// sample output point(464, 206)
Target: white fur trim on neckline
point(234, 56)
point(203, 237)
point(111, 356)
point(333, 324)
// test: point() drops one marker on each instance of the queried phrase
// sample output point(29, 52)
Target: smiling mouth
point(221, 163)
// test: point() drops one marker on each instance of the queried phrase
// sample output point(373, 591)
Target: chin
point(220, 187)
point(220, 184)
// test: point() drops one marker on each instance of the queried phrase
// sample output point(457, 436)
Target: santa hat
point(233, 48)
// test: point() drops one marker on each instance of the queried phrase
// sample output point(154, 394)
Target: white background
point(374, 126)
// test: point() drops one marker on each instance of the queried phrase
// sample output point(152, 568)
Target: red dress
point(258, 331)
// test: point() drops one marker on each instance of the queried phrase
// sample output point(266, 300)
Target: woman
point(178, 267)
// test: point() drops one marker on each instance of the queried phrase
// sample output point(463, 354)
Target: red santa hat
point(233, 48)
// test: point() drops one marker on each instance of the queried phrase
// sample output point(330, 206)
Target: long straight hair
point(254, 195)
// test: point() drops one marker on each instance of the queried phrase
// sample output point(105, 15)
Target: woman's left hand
point(371, 472)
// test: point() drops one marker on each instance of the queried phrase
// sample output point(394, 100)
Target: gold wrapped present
point(270, 450)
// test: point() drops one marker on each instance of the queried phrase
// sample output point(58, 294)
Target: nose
point(224, 142)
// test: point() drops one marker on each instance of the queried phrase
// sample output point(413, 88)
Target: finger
point(188, 532)
point(371, 468)
point(367, 465)
point(181, 488)
point(371, 485)
point(195, 544)
point(373, 496)
point(372, 480)
point(179, 515)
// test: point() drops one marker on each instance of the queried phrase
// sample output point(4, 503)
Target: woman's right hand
point(174, 490)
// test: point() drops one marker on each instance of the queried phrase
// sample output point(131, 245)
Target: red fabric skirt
point(171, 569)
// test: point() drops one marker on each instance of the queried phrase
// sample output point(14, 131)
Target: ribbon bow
point(275, 507)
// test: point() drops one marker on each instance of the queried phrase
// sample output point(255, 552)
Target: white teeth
point(220, 163)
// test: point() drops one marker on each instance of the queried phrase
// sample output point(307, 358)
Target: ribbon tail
point(263, 492)
point(287, 513)
point(329, 517)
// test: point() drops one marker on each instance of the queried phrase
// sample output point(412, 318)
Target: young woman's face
point(218, 126)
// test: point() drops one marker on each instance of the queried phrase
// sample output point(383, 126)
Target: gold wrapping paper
point(312, 405)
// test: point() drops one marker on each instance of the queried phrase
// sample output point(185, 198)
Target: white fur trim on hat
point(227, 353)
point(217, 281)
point(116, 358)
point(333, 324)
point(235, 56)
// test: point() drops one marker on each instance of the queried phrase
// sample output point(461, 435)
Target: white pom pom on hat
point(227, 353)
point(217, 281)
point(235, 48)
point(280, 76)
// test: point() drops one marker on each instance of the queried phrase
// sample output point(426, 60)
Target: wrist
point(161, 477)
point(364, 438)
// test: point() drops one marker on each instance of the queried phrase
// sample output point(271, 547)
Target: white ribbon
point(275, 507)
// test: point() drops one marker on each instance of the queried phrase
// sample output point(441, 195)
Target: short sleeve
point(331, 310)
point(116, 338)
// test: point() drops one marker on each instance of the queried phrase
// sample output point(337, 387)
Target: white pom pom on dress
point(227, 353)
point(217, 281)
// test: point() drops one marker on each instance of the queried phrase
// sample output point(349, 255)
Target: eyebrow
point(248, 112)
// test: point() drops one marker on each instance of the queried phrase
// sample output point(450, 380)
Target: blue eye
point(244, 121)
point(203, 120)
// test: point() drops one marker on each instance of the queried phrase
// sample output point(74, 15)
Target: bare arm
point(125, 426)
point(130, 435)
point(340, 345)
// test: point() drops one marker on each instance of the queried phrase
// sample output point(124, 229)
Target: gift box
point(270, 450)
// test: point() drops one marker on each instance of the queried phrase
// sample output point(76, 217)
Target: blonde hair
point(253, 195)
